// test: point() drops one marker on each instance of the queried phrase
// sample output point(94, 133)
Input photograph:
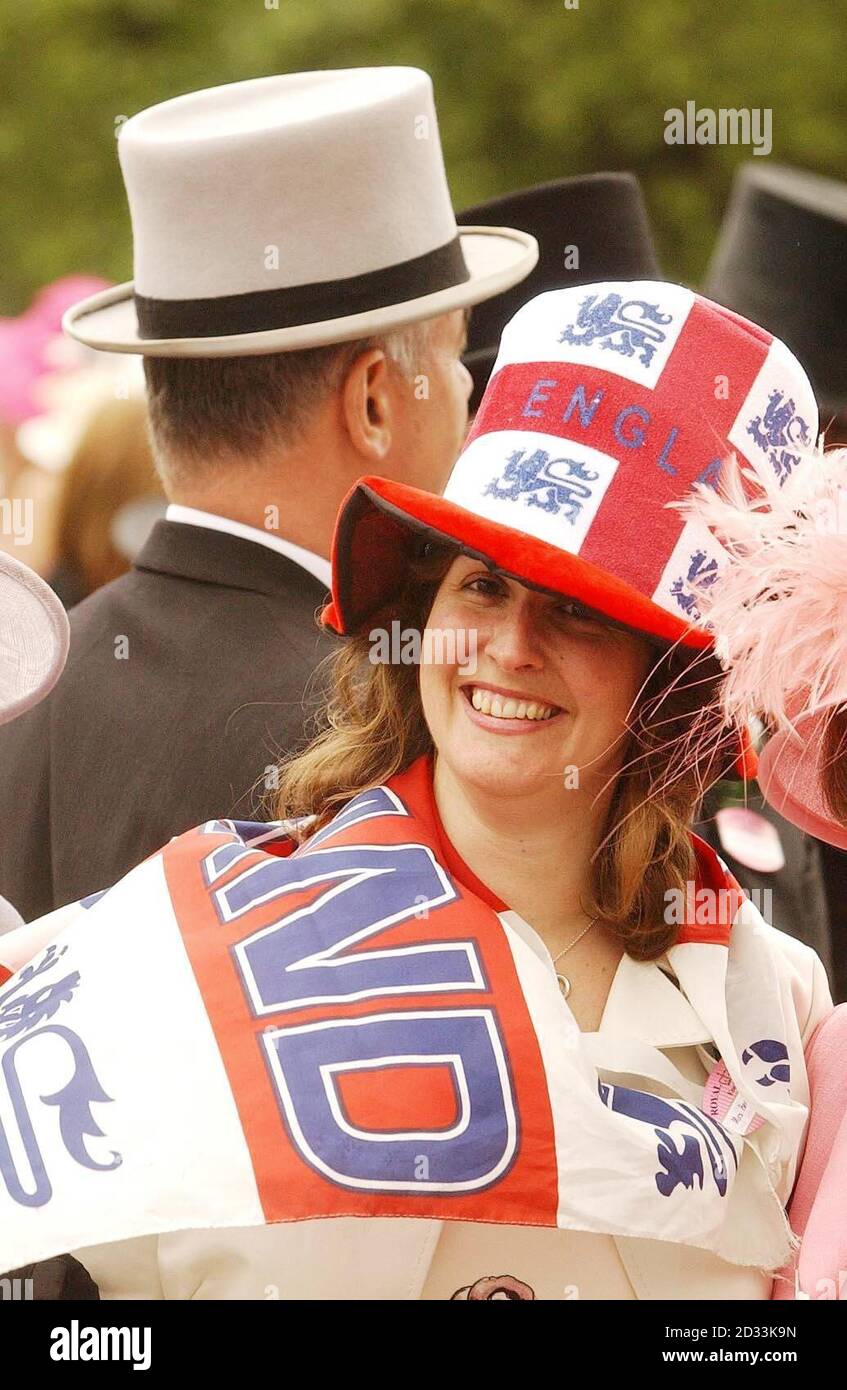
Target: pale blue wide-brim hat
point(34, 637)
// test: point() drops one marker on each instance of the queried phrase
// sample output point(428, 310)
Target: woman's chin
point(501, 772)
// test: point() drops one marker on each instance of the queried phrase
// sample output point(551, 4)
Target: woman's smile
point(507, 711)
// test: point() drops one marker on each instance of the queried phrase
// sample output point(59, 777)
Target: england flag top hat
point(607, 403)
point(292, 212)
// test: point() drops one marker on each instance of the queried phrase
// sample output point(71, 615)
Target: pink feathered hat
point(779, 610)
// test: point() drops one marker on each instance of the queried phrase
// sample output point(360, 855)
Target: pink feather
point(779, 606)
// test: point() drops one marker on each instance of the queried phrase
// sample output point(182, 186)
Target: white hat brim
point(497, 258)
point(34, 636)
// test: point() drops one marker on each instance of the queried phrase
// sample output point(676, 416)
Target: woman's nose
point(514, 641)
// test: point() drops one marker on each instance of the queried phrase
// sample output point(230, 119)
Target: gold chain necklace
point(564, 982)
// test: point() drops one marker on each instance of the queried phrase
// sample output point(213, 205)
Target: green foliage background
point(526, 90)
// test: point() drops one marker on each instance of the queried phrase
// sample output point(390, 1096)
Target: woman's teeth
point(505, 707)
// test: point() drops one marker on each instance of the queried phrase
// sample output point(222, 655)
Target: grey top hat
point(291, 212)
point(593, 227)
point(781, 260)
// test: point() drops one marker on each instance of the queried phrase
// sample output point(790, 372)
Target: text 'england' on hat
point(291, 212)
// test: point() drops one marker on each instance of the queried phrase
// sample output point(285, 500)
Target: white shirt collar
point(192, 516)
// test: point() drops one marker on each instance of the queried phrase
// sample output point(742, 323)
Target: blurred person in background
point(108, 499)
point(317, 337)
point(35, 363)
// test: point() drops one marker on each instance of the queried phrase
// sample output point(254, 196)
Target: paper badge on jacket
point(722, 1102)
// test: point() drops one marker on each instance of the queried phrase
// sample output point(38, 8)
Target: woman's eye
point(574, 610)
point(484, 584)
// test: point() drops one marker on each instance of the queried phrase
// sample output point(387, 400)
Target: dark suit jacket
point(185, 681)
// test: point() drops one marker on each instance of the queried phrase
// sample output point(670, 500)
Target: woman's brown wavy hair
point(372, 727)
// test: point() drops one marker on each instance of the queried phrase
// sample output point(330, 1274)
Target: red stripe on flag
point(289, 1188)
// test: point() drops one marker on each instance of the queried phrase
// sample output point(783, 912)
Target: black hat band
point(261, 311)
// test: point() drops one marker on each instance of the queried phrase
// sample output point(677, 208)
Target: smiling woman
point(561, 561)
point(477, 1050)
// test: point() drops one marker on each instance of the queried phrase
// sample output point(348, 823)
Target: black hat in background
point(781, 260)
point(602, 216)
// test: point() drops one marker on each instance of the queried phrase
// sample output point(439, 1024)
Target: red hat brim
point(381, 522)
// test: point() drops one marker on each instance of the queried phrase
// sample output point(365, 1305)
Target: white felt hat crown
point(289, 212)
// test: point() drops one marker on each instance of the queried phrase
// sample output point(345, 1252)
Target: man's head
point(394, 404)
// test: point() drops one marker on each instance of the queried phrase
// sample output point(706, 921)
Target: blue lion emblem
point(774, 1055)
point(678, 1167)
point(779, 429)
point(700, 574)
point(24, 1015)
point(625, 326)
point(20, 1012)
point(563, 483)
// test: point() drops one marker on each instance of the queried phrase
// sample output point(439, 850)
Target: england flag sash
point(245, 1031)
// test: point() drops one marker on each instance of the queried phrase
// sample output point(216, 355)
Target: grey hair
point(407, 347)
point(209, 413)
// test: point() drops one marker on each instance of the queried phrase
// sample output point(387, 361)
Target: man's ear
point(367, 402)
